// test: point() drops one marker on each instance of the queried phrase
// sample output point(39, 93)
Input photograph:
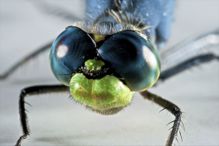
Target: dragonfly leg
point(187, 64)
point(171, 107)
point(33, 90)
point(21, 62)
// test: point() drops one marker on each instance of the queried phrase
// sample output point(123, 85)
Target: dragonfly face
point(103, 75)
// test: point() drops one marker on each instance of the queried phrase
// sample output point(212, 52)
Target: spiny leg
point(187, 64)
point(171, 107)
point(21, 62)
point(33, 90)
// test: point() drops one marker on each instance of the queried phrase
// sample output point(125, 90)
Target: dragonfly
point(114, 53)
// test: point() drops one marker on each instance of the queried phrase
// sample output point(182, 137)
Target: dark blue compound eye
point(69, 51)
point(133, 57)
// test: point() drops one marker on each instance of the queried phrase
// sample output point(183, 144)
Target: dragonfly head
point(103, 76)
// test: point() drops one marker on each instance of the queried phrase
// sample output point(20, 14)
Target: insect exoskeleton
point(103, 72)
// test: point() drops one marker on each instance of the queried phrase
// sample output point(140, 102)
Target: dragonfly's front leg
point(171, 107)
point(33, 90)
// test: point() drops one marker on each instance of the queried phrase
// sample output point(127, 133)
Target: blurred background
point(55, 119)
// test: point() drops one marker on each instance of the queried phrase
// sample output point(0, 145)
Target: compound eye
point(69, 51)
point(133, 58)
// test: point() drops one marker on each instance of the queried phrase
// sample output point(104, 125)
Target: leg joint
point(176, 111)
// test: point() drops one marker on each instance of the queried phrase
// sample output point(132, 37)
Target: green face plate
point(102, 95)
